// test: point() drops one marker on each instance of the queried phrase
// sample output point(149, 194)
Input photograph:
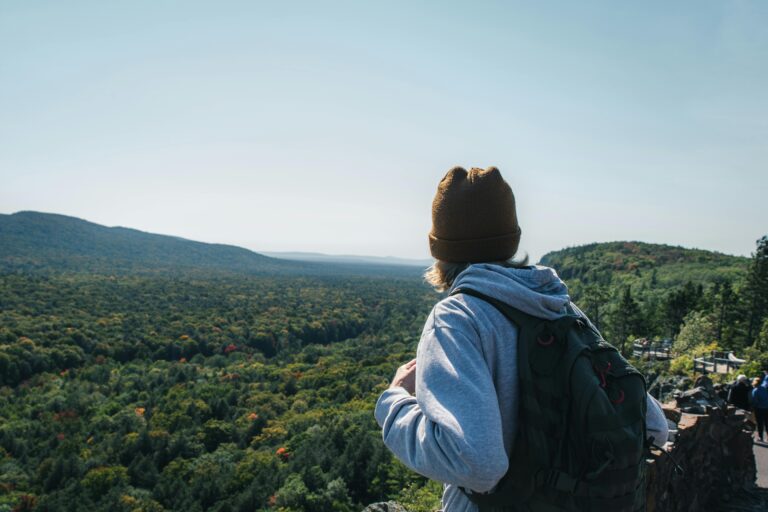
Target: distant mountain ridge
point(35, 241)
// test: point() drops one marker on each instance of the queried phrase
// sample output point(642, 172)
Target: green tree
point(98, 481)
point(761, 342)
point(698, 329)
point(725, 310)
point(679, 303)
point(595, 298)
point(652, 310)
point(627, 318)
point(756, 290)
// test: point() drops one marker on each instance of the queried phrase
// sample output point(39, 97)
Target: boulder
point(714, 451)
point(699, 400)
point(389, 506)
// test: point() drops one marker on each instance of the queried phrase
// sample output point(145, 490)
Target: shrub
point(681, 365)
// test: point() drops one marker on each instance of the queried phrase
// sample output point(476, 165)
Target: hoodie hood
point(535, 290)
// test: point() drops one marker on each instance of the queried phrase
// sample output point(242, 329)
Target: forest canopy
point(237, 392)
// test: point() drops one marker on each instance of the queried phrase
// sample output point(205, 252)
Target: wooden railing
point(647, 349)
point(717, 362)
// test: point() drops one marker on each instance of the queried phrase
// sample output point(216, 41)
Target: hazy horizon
point(326, 128)
point(292, 253)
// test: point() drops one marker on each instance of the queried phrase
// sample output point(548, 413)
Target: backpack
point(581, 441)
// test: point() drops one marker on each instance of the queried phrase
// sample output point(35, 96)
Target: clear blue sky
point(326, 126)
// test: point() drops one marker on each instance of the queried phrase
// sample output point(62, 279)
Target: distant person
point(760, 405)
point(469, 425)
point(740, 393)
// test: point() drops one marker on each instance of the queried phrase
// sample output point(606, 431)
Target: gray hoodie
point(460, 426)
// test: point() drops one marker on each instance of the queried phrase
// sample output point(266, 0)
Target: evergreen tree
point(652, 310)
point(627, 318)
point(679, 303)
point(595, 300)
point(756, 290)
point(761, 343)
point(725, 311)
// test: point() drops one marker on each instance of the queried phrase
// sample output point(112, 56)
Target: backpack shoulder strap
point(524, 321)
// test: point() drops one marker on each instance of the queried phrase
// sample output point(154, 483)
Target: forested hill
point(34, 241)
point(636, 289)
point(643, 265)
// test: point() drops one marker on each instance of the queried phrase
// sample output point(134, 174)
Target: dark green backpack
point(581, 440)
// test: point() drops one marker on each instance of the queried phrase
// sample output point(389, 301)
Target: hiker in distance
point(740, 393)
point(514, 401)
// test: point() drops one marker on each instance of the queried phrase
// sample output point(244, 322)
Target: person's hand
point(405, 377)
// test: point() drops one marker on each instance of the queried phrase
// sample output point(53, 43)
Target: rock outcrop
point(699, 400)
point(713, 448)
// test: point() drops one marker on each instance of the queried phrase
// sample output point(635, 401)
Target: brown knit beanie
point(474, 218)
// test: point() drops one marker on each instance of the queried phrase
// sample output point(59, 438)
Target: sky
point(326, 126)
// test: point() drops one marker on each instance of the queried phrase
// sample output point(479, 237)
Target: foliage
point(761, 343)
point(698, 329)
point(421, 498)
point(756, 289)
point(209, 390)
point(757, 358)
point(658, 285)
point(642, 265)
point(62, 322)
point(626, 318)
point(681, 365)
point(122, 393)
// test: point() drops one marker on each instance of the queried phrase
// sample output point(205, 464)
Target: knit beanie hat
point(473, 217)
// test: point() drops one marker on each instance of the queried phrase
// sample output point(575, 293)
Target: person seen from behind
point(760, 405)
point(458, 414)
point(740, 393)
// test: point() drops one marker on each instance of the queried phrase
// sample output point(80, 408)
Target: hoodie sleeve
point(655, 422)
point(451, 431)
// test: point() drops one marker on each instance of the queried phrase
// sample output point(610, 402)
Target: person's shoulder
point(453, 312)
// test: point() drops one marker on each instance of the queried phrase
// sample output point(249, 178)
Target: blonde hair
point(442, 274)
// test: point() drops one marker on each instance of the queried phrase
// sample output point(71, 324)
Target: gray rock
point(389, 506)
point(698, 400)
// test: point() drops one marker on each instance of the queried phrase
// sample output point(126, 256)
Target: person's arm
point(451, 431)
point(655, 422)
